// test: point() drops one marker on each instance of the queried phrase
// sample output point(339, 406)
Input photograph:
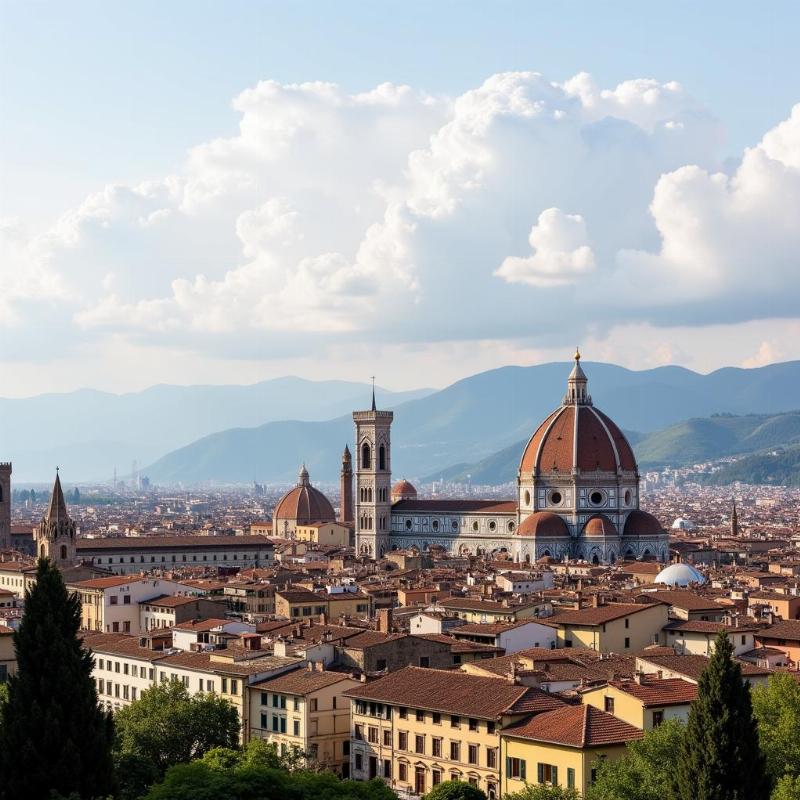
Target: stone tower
point(55, 538)
point(373, 512)
point(346, 489)
point(5, 505)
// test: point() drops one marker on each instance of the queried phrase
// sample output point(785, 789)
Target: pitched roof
point(455, 693)
point(658, 691)
point(692, 666)
point(575, 726)
point(597, 616)
point(105, 583)
point(301, 682)
point(784, 629)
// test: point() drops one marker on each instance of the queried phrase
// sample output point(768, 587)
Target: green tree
point(777, 708)
point(167, 726)
point(455, 790)
point(54, 737)
point(720, 758)
point(787, 788)
point(646, 772)
point(544, 792)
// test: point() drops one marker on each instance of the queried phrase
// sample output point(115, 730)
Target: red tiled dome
point(543, 523)
point(600, 525)
point(403, 490)
point(304, 503)
point(640, 523)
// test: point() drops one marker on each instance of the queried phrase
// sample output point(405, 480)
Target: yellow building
point(562, 747)
point(297, 604)
point(415, 727)
point(610, 628)
point(644, 702)
point(305, 709)
point(323, 533)
point(476, 610)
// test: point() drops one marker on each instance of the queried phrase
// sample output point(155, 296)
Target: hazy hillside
point(89, 432)
point(479, 416)
point(688, 442)
point(781, 468)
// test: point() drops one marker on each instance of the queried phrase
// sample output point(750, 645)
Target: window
point(402, 771)
point(420, 715)
point(627, 622)
point(381, 457)
point(126, 600)
point(490, 727)
point(387, 768)
point(113, 599)
point(372, 734)
point(658, 718)
point(296, 703)
point(491, 757)
point(263, 722)
point(419, 744)
point(358, 733)
point(403, 712)
point(515, 768)
point(436, 778)
point(380, 664)
point(455, 751)
point(366, 459)
point(472, 754)
point(359, 761)
point(547, 773)
point(235, 690)
point(473, 724)
point(424, 661)
point(627, 642)
point(313, 706)
point(402, 740)
point(387, 738)
point(570, 778)
point(296, 727)
point(455, 722)
point(436, 748)
point(436, 718)
point(609, 705)
point(264, 695)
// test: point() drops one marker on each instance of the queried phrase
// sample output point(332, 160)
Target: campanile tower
point(373, 480)
point(5, 506)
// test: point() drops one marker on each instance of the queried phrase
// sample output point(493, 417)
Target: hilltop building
point(577, 494)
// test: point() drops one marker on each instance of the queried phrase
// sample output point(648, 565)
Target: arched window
point(63, 552)
point(42, 552)
point(381, 457)
point(366, 460)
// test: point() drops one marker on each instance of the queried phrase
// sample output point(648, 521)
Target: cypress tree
point(54, 738)
point(720, 758)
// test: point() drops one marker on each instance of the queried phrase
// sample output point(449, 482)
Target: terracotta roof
point(304, 504)
point(301, 681)
point(545, 524)
point(117, 644)
point(692, 666)
point(687, 600)
point(658, 691)
point(171, 600)
point(600, 525)
point(403, 490)
point(575, 726)
point(473, 604)
point(200, 625)
point(596, 616)
point(105, 583)
point(640, 523)
point(171, 542)
point(456, 506)
point(703, 626)
point(784, 629)
point(455, 693)
point(488, 628)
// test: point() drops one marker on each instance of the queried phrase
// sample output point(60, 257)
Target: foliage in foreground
point(777, 708)
point(54, 738)
point(544, 792)
point(455, 790)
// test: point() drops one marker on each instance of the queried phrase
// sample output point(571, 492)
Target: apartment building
point(167, 611)
point(330, 534)
point(562, 747)
point(297, 604)
point(415, 728)
point(305, 709)
point(698, 636)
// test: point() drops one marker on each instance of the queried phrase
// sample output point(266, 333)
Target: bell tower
point(373, 502)
point(5, 505)
point(346, 489)
point(55, 538)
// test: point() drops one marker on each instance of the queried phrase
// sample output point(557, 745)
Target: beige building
point(562, 747)
point(8, 658)
point(297, 604)
point(611, 628)
point(305, 709)
point(167, 611)
point(331, 534)
point(415, 727)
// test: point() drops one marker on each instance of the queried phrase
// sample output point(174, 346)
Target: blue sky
point(99, 93)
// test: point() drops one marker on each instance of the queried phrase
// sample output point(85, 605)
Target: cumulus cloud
point(391, 215)
point(561, 254)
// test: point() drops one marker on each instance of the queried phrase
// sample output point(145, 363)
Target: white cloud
point(331, 218)
point(561, 253)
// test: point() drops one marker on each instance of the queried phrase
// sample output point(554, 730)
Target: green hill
point(778, 468)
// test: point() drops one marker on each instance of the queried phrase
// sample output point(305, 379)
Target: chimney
point(660, 674)
point(639, 677)
point(512, 673)
point(323, 618)
point(385, 620)
point(595, 601)
point(310, 666)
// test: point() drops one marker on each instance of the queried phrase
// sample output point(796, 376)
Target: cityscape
point(307, 492)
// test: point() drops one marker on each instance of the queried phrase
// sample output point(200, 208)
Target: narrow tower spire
point(373, 393)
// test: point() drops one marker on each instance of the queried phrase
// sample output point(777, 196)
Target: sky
point(197, 192)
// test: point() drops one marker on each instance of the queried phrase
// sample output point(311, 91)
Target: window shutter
point(540, 773)
point(508, 766)
point(522, 769)
point(555, 776)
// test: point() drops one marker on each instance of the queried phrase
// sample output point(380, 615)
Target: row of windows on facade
point(366, 457)
point(420, 775)
point(455, 525)
point(279, 701)
point(308, 611)
point(366, 523)
point(383, 711)
point(228, 686)
point(365, 494)
point(132, 559)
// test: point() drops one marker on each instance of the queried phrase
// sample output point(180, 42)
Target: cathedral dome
point(403, 490)
point(543, 524)
point(303, 504)
point(577, 437)
point(680, 575)
point(599, 525)
point(640, 523)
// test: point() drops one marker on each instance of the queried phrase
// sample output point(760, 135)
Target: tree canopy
point(54, 737)
point(455, 790)
point(777, 708)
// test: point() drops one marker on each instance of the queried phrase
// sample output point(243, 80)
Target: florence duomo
point(507, 568)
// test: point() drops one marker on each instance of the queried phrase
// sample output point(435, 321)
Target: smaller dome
point(544, 524)
point(640, 523)
point(403, 490)
point(600, 525)
point(680, 575)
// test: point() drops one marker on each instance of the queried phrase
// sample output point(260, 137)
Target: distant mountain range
point(689, 442)
point(775, 468)
point(479, 417)
point(89, 433)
